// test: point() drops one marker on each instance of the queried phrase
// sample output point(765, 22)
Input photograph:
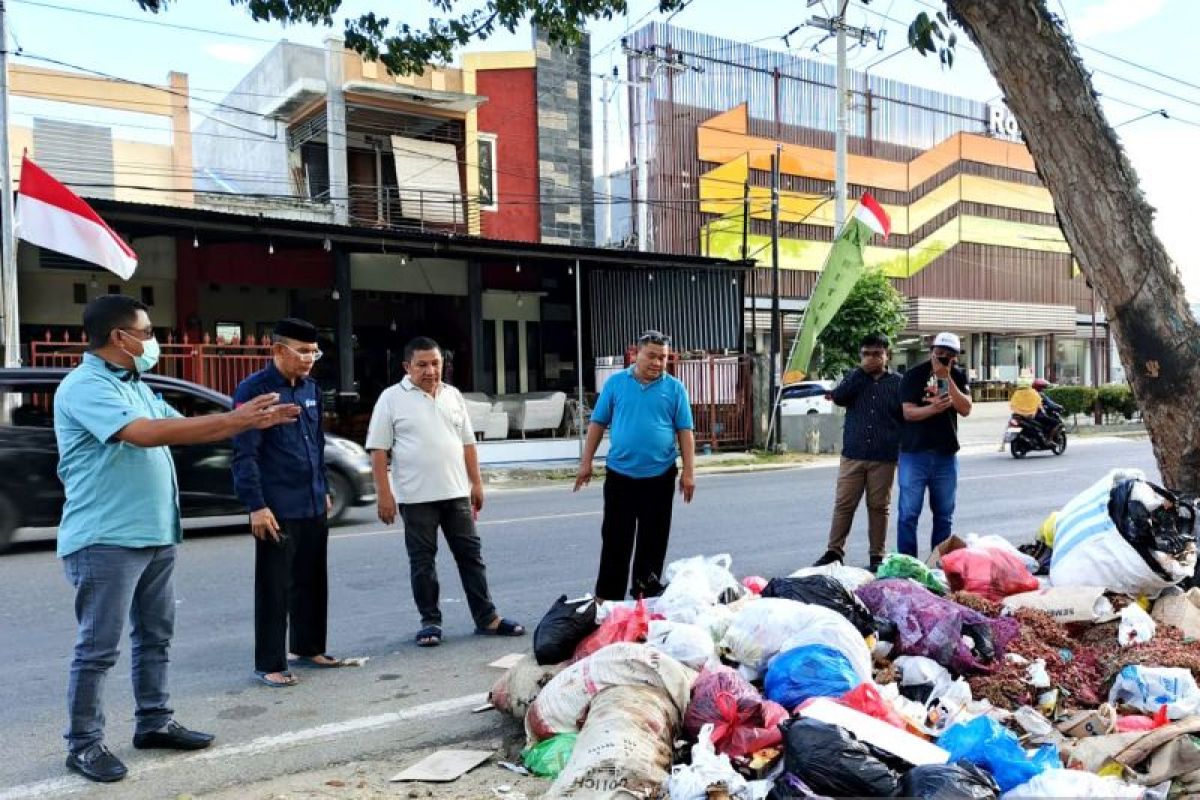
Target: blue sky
point(1158, 34)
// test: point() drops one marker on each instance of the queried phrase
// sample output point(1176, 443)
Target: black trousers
point(291, 584)
point(637, 511)
point(454, 517)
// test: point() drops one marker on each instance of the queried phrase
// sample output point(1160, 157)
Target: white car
point(806, 397)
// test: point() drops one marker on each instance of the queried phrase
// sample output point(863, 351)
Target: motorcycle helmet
point(1041, 385)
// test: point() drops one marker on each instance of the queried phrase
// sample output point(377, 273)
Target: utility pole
point(8, 259)
point(604, 98)
point(838, 28)
point(671, 62)
point(776, 326)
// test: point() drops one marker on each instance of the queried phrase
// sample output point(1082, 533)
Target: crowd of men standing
point(120, 524)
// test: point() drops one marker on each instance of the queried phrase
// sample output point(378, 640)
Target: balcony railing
point(412, 209)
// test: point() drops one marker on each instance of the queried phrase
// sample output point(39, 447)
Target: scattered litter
point(1148, 688)
point(898, 565)
point(695, 781)
point(547, 758)
point(483, 708)
point(813, 670)
point(507, 662)
point(877, 733)
point(985, 743)
point(1137, 627)
point(443, 766)
point(511, 767)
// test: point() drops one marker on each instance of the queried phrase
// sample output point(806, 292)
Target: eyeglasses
point(654, 337)
point(145, 334)
point(309, 355)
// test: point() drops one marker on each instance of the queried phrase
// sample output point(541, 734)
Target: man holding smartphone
point(933, 395)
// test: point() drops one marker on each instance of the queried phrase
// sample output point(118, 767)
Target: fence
point(219, 365)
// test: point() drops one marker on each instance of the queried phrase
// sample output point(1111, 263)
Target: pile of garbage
point(1063, 668)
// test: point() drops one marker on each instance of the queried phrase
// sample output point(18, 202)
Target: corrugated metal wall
point(699, 310)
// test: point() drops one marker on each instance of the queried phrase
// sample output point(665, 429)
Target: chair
point(488, 419)
point(535, 411)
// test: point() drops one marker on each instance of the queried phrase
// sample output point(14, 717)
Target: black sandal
point(506, 627)
point(429, 636)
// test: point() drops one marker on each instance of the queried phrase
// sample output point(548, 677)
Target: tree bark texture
point(1103, 215)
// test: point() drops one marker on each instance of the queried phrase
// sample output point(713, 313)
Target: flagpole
point(8, 258)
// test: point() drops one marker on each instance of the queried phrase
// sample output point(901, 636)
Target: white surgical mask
point(149, 355)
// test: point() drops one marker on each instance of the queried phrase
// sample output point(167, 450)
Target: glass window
point(28, 405)
point(1070, 361)
point(487, 172)
point(191, 405)
point(228, 331)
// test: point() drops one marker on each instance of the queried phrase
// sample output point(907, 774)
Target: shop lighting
point(270, 248)
point(195, 241)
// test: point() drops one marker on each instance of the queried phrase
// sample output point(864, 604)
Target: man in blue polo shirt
point(650, 419)
point(280, 476)
point(120, 525)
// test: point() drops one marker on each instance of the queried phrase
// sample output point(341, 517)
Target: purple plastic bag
point(934, 627)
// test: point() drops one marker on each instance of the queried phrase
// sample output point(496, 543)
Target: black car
point(32, 496)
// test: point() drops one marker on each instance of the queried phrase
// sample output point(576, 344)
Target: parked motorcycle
point(1025, 435)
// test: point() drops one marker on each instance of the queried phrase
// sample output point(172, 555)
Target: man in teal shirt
point(650, 421)
point(120, 524)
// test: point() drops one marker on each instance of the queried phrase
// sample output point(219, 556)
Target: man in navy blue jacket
point(280, 476)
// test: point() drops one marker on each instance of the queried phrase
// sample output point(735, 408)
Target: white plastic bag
point(691, 782)
point(1136, 626)
point(767, 627)
point(715, 621)
point(715, 569)
point(690, 645)
point(919, 670)
point(827, 627)
point(1073, 783)
point(687, 596)
point(1148, 688)
point(850, 577)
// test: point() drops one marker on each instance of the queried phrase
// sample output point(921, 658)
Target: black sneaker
point(876, 563)
point(830, 557)
point(173, 737)
point(97, 764)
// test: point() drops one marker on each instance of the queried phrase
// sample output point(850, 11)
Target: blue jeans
point(110, 582)
point(920, 471)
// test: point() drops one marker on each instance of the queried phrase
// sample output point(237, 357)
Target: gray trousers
point(454, 517)
point(111, 581)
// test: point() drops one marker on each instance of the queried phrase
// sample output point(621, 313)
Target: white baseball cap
point(948, 340)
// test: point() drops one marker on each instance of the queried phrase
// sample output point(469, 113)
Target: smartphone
point(943, 386)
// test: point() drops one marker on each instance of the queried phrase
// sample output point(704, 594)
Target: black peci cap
point(296, 329)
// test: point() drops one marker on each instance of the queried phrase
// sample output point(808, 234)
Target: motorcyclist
point(1049, 414)
point(1030, 402)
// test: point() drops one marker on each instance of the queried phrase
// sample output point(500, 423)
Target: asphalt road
point(538, 543)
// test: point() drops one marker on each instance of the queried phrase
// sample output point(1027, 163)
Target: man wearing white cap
point(933, 395)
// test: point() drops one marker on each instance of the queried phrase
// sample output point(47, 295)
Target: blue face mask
point(149, 356)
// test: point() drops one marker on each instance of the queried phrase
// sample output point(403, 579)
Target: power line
point(144, 21)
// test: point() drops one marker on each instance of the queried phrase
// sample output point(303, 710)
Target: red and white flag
point(52, 216)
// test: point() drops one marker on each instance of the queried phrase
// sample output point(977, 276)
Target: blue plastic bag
point(986, 743)
point(813, 670)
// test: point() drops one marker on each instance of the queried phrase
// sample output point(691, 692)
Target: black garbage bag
point(1169, 529)
point(822, 590)
point(566, 624)
point(985, 643)
point(961, 781)
point(829, 760)
point(789, 787)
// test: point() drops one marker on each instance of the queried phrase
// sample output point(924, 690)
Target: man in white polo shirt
point(423, 425)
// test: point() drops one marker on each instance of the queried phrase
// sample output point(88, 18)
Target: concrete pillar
point(345, 324)
point(181, 138)
point(335, 123)
point(761, 398)
point(475, 309)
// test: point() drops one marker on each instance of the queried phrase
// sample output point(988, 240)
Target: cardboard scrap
point(876, 732)
point(507, 662)
point(443, 766)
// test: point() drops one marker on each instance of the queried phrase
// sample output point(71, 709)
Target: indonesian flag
point(842, 270)
point(52, 216)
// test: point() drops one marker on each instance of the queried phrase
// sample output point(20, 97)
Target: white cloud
point(1113, 16)
point(233, 53)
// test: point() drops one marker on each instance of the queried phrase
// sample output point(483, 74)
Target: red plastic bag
point(621, 625)
point(1136, 722)
point(755, 584)
point(866, 698)
point(989, 572)
point(743, 722)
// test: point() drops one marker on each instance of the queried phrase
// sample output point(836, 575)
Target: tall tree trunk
point(1105, 218)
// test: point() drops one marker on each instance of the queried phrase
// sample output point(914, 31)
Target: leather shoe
point(97, 764)
point(172, 737)
point(830, 557)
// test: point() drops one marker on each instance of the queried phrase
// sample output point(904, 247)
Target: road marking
point(479, 524)
point(1012, 474)
point(263, 744)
